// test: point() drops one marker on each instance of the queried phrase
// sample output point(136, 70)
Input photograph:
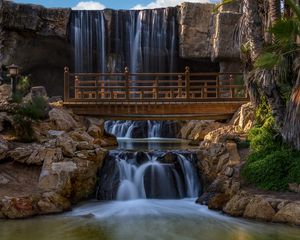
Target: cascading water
point(140, 175)
point(110, 40)
point(143, 129)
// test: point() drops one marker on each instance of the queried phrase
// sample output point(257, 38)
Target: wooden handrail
point(138, 87)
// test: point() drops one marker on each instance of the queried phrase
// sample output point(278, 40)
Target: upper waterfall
point(110, 40)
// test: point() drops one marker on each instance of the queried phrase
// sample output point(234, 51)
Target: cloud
point(90, 5)
point(166, 3)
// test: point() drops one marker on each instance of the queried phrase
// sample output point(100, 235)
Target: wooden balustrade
point(153, 87)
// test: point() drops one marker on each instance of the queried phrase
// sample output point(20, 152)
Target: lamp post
point(13, 72)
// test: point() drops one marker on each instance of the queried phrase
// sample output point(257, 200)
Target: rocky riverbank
point(57, 170)
point(221, 157)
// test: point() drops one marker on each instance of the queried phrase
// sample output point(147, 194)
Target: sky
point(114, 4)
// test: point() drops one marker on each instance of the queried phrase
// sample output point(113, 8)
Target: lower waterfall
point(155, 175)
point(143, 129)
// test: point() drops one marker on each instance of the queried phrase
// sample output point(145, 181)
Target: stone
point(194, 23)
point(229, 172)
point(52, 202)
point(244, 117)
point(51, 22)
point(237, 205)
point(196, 130)
point(290, 213)
point(218, 201)
point(260, 209)
point(38, 91)
point(34, 154)
point(224, 134)
point(80, 135)
point(67, 144)
point(223, 31)
point(234, 156)
point(95, 131)
point(5, 91)
point(294, 187)
point(18, 207)
point(63, 120)
point(3, 180)
point(54, 133)
point(3, 148)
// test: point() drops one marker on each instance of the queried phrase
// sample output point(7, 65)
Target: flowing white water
point(140, 175)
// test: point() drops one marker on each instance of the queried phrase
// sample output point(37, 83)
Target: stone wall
point(35, 38)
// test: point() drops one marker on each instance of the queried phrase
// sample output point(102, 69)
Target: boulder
point(52, 202)
point(294, 187)
point(224, 134)
point(18, 207)
point(196, 130)
point(260, 209)
point(244, 117)
point(5, 91)
point(38, 91)
point(80, 135)
point(67, 144)
point(194, 23)
point(34, 154)
point(237, 205)
point(290, 213)
point(218, 201)
point(63, 120)
point(3, 148)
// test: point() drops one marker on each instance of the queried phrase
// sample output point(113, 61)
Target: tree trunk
point(274, 10)
point(291, 129)
point(266, 78)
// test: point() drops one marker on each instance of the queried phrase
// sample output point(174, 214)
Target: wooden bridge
point(154, 96)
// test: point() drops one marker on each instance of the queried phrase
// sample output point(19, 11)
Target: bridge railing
point(153, 87)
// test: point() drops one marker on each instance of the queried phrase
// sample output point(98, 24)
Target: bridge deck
point(155, 96)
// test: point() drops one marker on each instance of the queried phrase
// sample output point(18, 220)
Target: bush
point(271, 164)
point(36, 109)
point(23, 128)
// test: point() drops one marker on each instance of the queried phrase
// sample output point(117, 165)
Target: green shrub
point(23, 128)
point(23, 85)
point(36, 109)
point(271, 164)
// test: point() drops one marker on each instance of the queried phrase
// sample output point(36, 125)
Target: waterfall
point(143, 129)
point(109, 40)
point(140, 175)
point(88, 35)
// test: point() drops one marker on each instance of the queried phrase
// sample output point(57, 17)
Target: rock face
point(224, 47)
point(194, 23)
point(244, 117)
point(26, 30)
point(42, 21)
point(65, 165)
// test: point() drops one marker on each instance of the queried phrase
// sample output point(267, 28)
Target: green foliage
point(23, 85)
point(23, 128)
point(267, 60)
point(271, 164)
point(36, 109)
point(17, 97)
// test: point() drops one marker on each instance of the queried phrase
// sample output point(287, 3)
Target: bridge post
point(187, 81)
point(66, 83)
point(127, 75)
point(218, 85)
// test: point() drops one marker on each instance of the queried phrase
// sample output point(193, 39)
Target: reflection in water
point(143, 219)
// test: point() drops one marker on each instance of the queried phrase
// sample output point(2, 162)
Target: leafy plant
point(23, 128)
point(36, 109)
point(271, 164)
